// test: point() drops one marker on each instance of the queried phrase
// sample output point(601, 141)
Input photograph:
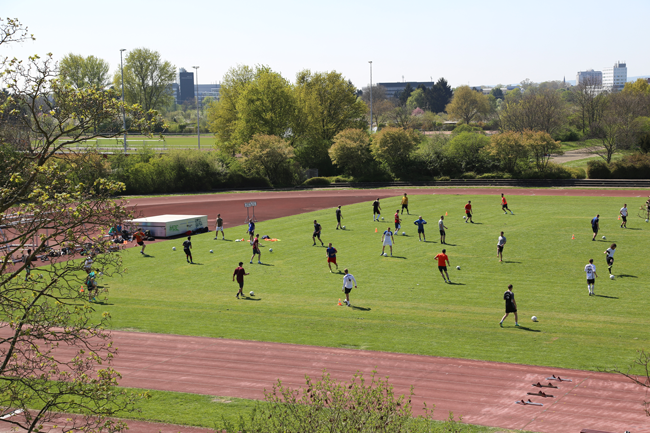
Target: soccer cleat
point(517, 324)
point(216, 239)
point(251, 262)
point(501, 324)
point(259, 262)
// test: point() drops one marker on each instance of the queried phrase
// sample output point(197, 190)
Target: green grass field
point(136, 142)
point(402, 303)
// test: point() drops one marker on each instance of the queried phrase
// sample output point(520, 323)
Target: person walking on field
point(443, 261)
point(139, 239)
point(595, 225)
point(348, 278)
point(339, 217)
point(511, 305)
point(316, 234)
point(239, 273)
point(590, 269)
point(398, 221)
point(504, 205)
point(331, 256)
point(468, 212)
point(405, 204)
point(442, 227)
point(256, 249)
point(376, 210)
point(219, 228)
point(500, 244)
point(623, 213)
point(251, 229)
point(609, 256)
point(420, 223)
point(187, 248)
point(387, 240)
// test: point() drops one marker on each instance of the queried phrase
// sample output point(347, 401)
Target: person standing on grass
point(590, 269)
point(239, 273)
point(348, 278)
point(219, 228)
point(139, 239)
point(609, 257)
point(316, 234)
point(251, 229)
point(623, 213)
point(405, 204)
point(595, 225)
point(468, 212)
point(387, 240)
point(500, 244)
point(442, 227)
point(339, 217)
point(331, 256)
point(376, 210)
point(28, 264)
point(420, 223)
point(398, 221)
point(443, 261)
point(511, 305)
point(91, 285)
point(504, 205)
point(187, 248)
point(256, 250)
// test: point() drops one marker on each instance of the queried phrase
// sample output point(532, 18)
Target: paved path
point(574, 155)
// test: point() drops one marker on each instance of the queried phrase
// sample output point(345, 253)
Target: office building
point(186, 86)
point(589, 77)
point(615, 77)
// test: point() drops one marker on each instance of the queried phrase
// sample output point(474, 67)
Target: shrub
point(443, 178)
point(317, 181)
point(495, 175)
point(635, 166)
point(597, 169)
point(468, 175)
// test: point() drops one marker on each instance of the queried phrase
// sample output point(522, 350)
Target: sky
point(466, 41)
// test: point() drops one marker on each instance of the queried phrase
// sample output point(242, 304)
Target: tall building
point(186, 86)
point(393, 89)
point(591, 77)
point(614, 78)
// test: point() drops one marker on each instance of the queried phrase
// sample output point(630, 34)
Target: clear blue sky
point(503, 41)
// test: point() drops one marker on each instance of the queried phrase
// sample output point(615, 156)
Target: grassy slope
point(405, 306)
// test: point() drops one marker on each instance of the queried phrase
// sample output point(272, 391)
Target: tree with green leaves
point(393, 147)
point(417, 100)
point(467, 149)
point(350, 152)
point(269, 156)
point(147, 79)
point(405, 94)
point(541, 146)
point(508, 148)
point(44, 214)
point(537, 109)
point(82, 72)
point(439, 96)
point(468, 104)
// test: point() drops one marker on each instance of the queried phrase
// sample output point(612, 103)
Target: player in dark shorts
point(609, 257)
point(420, 223)
point(469, 212)
point(239, 273)
point(376, 210)
point(251, 229)
point(443, 261)
point(398, 221)
point(511, 305)
point(338, 218)
point(317, 230)
point(405, 204)
point(256, 249)
point(504, 205)
point(139, 239)
point(187, 248)
point(595, 226)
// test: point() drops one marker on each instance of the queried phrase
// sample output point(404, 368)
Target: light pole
point(123, 113)
point(370, 96)
point(198, 103)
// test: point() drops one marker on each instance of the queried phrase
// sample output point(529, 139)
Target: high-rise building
point(186, 86)
point(614, 78)
point(589, 77)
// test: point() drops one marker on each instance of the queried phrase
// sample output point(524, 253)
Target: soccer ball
point(646, 220)
point(100, 274)
point(603, 237)
point(611, 277)
point(464, 217)
point(403, 233)
point(252, 293)
point(211, 251)
point(343, 227)
point(173, 248)
point(382, 218)
point(534, 318)
point(270, 250)
point(458, 267)
point(385, 254)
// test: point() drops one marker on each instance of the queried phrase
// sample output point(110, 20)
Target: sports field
point(402, 303)
point(137, 142)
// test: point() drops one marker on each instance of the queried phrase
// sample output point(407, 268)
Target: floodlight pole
point(198, 104)
point(370, 96)
point(123, 112)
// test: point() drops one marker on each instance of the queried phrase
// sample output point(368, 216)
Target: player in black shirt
point(187, 247)
point(338, 218)
point(511, 305)
point(317, 229)
point(376, 210)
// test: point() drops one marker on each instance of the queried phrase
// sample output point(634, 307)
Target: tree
point(404, 95)
point(508, 148)
point(639, 87)
point(439, 96)
point(351, 152)
point(378, 94)
point(468, 104)
point(82, 72)
point(41, 206)
point(497, 93)
point(393, 147)
point(467, 149)
point(382, 110)
point(416, 100)
point(541, 145)
point(268, 156)
point(147, 79)
point(538, 109)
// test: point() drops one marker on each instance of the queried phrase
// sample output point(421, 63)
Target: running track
point(482, 392)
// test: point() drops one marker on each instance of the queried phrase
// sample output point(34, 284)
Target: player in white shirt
point(442, 227)
point(590, 269)
point(347, 285)
point(623, 213)
point(500, 244)
point(387, 240)
point(609, 256)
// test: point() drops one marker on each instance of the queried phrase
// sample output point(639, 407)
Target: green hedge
point(317, 181)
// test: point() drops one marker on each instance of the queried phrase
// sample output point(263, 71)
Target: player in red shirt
point(504, 205)
point(239, 273)
point(442, 258)
point(398, 221)
point(468, 212)
point(256, 249)
point(139, 239)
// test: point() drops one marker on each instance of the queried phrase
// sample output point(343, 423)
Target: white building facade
point(589, 77)
point(614, 78)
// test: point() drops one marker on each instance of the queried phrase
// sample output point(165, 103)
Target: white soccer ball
point(403, 233)
point(343, 227)
point(611, 277)
point(385, 254)
point(100, 274)
point(382, 218)
point(211, 251)
point(534, 318)
point(252, 293)
point(464, 217)
point(646, 220)
point(270, 250)
point(603, 237)
point(173, 248)
point(458, 267)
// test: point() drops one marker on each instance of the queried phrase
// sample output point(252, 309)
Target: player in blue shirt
point(420, 223)
point(251, 229)
point(331, 256)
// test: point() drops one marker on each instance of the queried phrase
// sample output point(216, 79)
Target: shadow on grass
point(102, 303)
point(525, 328)
point(633, 228)
point(195, 263)
point(396, 257)
point(451, 245)
point(148, 256)
point(455, 284)
point(248, 298)
point(510, 261)
point(265, 264)
point(607, 297)
point(354, 307)
point(227, 240)
point(627, 276)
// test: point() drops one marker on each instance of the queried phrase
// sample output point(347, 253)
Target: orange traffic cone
point(445, 213)
point(619, 217)
point(573, 236)
point(340, 305)
point(375, 229)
